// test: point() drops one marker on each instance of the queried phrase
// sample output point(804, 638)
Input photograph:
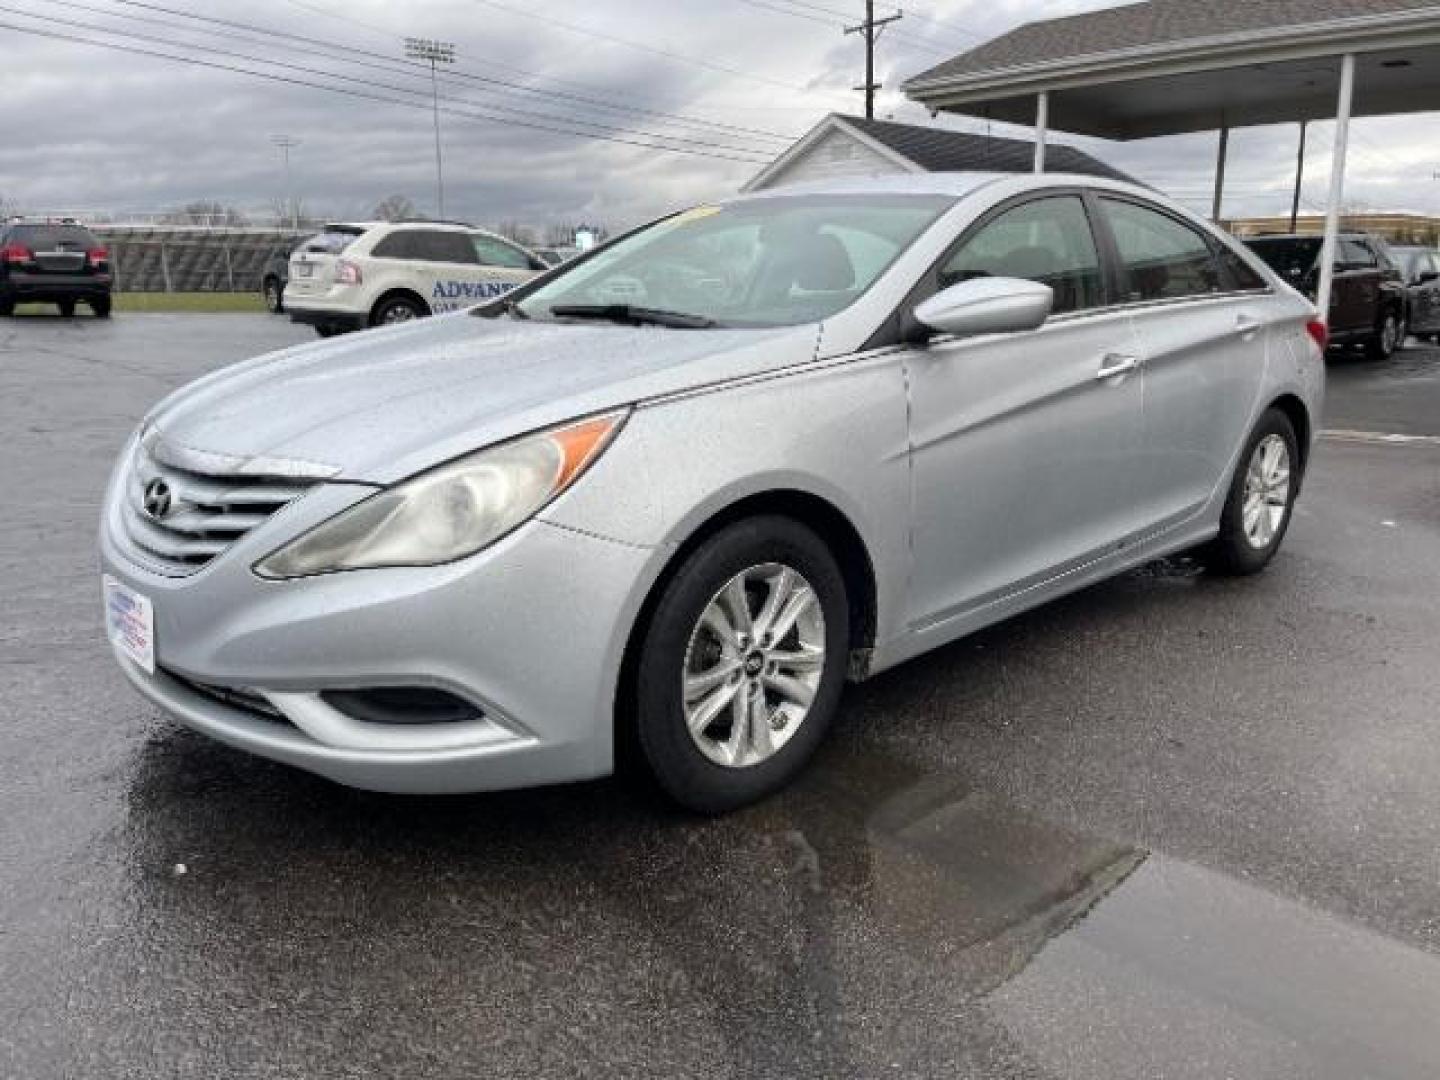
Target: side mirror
point(988, 305)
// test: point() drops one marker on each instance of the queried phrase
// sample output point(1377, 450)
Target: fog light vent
point(402, 705)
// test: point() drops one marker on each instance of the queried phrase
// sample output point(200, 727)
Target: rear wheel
point(741, 666)
point(395, 309)
point(7, 308)
point(1386, 338)
point(1261, 498)
point(101, 307)
point(67, 308)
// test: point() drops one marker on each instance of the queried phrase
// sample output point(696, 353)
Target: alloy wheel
point(1267, 491)
point(753, 665)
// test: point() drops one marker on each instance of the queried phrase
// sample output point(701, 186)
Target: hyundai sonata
point(676, 492)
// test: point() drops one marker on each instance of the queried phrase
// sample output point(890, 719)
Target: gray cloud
point(93, 129)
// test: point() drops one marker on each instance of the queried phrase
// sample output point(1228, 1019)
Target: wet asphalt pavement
point(1170, 827)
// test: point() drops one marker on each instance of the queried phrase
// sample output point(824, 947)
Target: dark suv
point(1367, 302)
point(54, 262)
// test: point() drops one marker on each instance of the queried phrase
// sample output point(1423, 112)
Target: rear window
point(1291, 257)
point(54, 237)
point(332, 241)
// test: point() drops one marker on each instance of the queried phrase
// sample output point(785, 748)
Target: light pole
point(286, 144)
point(436, 52)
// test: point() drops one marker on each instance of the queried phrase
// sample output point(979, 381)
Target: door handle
point(1246, 325)
point(1115, 365)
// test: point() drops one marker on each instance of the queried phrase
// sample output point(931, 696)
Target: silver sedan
point(674, 494)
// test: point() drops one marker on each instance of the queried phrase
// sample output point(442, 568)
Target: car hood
point(383, 404)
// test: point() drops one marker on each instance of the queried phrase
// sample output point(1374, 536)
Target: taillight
point(15, 253)
point(98, 256)
point(1319, 332)
point(347, 273)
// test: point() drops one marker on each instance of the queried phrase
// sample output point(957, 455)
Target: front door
point(1023, 446)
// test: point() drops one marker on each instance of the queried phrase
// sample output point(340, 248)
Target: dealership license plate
point(130, 621)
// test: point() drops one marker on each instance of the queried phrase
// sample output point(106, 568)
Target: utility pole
point(286, 144)
point(436, 52)
point(871, 28)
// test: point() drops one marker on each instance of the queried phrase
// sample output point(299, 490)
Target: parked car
point(273, 280)
point(52, 261)
point(356, 275)
point(1367, 301)
point(828, 429)
point(1420, 267)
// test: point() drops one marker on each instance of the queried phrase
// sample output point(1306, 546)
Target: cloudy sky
point(729, 81)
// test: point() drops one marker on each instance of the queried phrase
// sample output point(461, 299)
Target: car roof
point(956, 184)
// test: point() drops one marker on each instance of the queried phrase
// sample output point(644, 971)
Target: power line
point(591, 32)
point(393, 65)
point(470, 114)
point(371, 83)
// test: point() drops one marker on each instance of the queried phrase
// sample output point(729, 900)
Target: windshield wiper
point(634, 316)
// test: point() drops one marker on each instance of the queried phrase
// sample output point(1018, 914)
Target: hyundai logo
point(157, 498)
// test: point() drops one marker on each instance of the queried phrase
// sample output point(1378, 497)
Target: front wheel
point(100, 307)
point(397, 309)
point(1261, 499)
point(67, 308)
point(741, 666)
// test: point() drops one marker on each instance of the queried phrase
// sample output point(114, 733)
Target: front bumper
point(531, 632)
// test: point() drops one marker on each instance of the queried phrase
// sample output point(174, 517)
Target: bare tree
point(208, 213)
point(513, 230)
point(395, 208)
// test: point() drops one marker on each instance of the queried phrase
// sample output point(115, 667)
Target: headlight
point(451, 511)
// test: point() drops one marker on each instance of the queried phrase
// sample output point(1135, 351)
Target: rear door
point(1355, 304)
point(1426, 291)
point(1203, 325)
point(57, 251)
point(312, 264)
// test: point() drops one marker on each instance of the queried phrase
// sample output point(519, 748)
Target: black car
point(1368, 300)
point(53, 262)
point(1421, 269)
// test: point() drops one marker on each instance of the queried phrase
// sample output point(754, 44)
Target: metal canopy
point(1124, 104)
point(1165, 67)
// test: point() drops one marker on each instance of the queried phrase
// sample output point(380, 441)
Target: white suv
point(352, 276)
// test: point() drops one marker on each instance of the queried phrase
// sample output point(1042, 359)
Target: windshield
point(777, 261)
point(1289, 256)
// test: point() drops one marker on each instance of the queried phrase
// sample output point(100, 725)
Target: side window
point(1241, 276)
point(445, 247)
point(398, 245)
point(1354, 253)
point(1046, 240)
point(493, 252)
point(1162, 258)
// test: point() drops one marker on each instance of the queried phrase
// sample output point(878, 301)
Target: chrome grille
point(203, 511)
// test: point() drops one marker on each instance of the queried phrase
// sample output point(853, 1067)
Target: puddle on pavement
point(874, 918)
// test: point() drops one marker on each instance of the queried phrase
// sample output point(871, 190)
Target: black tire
point(274, 294)
point(1233, 552)
point(327, 331)
point(1382, 344)
point(67, 308)
point(100, 307)
point(660, 728)
point(7, 308)
point(392, 309)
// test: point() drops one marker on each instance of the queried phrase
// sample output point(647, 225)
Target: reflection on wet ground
point(875, 920)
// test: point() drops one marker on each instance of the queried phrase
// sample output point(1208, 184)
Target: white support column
point(1337, 184)
point(1042, 125)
